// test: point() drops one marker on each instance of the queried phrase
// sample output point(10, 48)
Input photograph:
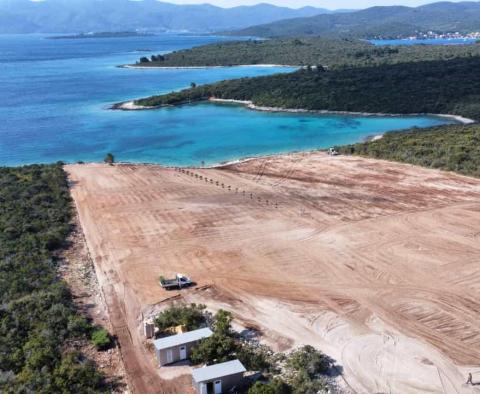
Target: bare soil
point(375, 263)
point(78, 271)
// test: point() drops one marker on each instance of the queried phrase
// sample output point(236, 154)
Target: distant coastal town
point(445, 36)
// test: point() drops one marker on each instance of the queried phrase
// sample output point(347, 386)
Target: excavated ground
point(376, 263)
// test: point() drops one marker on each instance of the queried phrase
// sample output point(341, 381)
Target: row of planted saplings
point(217, 183)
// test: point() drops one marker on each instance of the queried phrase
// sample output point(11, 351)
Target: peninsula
point(435, 87)
point(331, 53)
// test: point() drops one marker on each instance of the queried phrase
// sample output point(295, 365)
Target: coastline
point(134, 66)
point(131, 106)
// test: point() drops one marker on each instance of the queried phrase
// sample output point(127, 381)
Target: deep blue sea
point(55, 96)
point(427, 41)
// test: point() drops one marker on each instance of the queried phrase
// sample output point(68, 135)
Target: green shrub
point(101, 339)
point(309, 360)
point(219, 347)
point(305, 384)
point(276, 386)
point(191, 316)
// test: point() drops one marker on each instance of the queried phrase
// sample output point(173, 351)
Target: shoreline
point(131, 106)
point(134, 66)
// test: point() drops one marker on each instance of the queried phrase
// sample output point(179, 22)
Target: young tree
point(219, 347)
point(101, 339)
point(109, 159)
point(223, 323)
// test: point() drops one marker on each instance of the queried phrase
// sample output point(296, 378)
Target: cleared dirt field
point(375, 263)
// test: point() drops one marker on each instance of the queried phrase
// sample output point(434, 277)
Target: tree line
point(39, 323)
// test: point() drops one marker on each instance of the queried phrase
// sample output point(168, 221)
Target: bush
point(260, 388)
point(214, 349)
point(101, 339)
point(310, 360)
point(255, 357)
point(304, 384)
point(276, 386)
point(219, 347)
point(191, 316)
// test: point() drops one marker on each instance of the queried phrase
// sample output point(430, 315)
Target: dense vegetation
point(388, 22)
point(452, 148)
point(38, 322)
point(330, 53)
point(450, 87)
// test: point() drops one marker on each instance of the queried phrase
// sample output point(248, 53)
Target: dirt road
point(375, 263)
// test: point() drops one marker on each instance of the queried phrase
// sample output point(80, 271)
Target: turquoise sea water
point(55, 96)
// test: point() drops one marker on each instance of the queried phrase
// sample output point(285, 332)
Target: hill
point(331, 53)
point(448, 87)
point(386, 22)
point(75, 16)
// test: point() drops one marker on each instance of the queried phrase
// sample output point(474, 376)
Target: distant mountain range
point(393, 21)
point(76, 16)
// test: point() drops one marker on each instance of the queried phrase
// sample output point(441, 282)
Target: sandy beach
point(134, 66)
point(374, 263)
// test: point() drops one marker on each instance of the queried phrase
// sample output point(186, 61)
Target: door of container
point(218, 387)
point(203, 388)
point(183, 352)
point(169, 356)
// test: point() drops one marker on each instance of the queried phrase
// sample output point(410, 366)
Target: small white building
point(218, 378)
point(178, 347)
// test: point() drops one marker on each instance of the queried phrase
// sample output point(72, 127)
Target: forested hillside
point(451, 148)
point(450, 87)
point(39, 324)
point(76, 16)
point(331, 53)
point(387, 22)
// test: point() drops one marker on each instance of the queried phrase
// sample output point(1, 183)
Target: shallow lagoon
point(56, 94)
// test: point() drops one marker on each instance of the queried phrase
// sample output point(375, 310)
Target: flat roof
point(218, 371)
point(182, 339)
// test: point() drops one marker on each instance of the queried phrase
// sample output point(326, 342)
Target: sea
point(55, 98)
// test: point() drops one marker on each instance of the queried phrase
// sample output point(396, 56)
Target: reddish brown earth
point(376, 263)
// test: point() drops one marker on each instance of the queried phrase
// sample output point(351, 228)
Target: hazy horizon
point(329, 4)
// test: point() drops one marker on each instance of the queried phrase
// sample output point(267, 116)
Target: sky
point(330, 4)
